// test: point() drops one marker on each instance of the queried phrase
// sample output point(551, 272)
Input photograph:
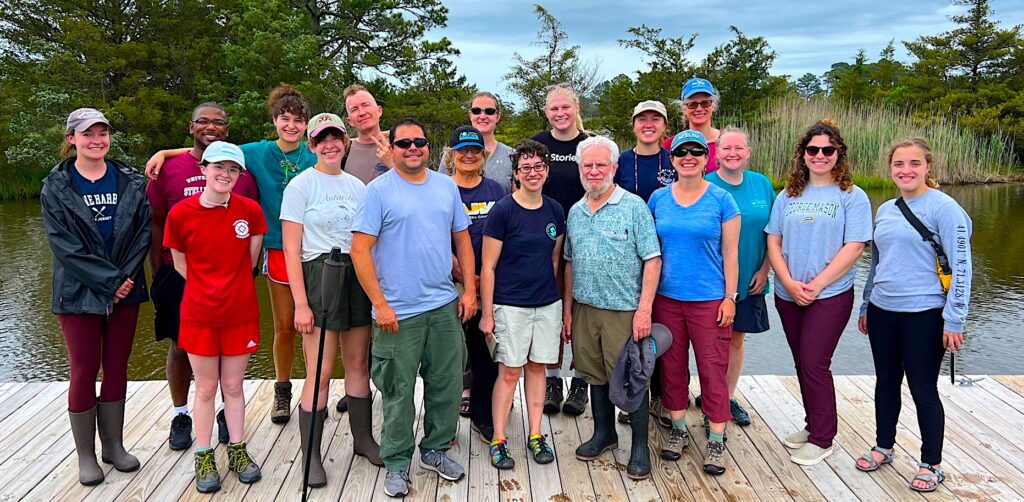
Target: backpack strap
point(926, 234)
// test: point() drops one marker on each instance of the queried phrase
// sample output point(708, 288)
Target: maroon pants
point(94, 341)
point(813, 333)
point(696, 323)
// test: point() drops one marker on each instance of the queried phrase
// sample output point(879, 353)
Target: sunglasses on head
point(705, 104)
point(562, 85)
point(827, 150)
point(476, 110)
point(407, 142)
point(696, 151)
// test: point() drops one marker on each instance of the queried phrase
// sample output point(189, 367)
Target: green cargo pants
point(432, 344)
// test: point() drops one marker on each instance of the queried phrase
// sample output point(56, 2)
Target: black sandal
point(464, 406)
point(933, 479)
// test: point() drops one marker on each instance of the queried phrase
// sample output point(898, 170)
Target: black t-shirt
point(524, 275)
point(478, 202)
point(101, 197)
point(563, 183)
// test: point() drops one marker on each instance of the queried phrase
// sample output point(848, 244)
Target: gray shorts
point(527, 333)
point(349, 307)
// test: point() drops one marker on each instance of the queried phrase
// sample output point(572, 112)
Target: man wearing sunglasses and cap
point(403, 233)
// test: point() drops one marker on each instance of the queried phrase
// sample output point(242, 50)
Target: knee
point(509, 376)
point(206, 391)
point(231, 388)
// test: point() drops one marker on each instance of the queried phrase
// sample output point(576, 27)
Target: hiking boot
point(678, 439)
point(658, 411)
point(500, 458)
point(810, 454)
point(714, 463)
point(396, 484)
point(553, 395)
point(604, 437)
point(797, 439)
point(282, 403)
point(83, 428)
point(342, 406)
point(360, 419)
point(242, 464)
point(223, 435)
point(542, 452)
point(639, 466)
point(317, 475)
point(485, 431)
point(110, 423)
point(181, 432)
point(207, 477)
point(439, 462)
point(739, 415)
point(577, 400)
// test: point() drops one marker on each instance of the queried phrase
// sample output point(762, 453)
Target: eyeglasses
point(220, 168)
point(476, 110)
point(406, 143)
point(813, 150)
point(601, 166)
point(537, 168)
point(705, 104)
point(205, 122)
point(696, 151)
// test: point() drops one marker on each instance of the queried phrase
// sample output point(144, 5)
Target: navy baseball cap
point(466, 136)
point(697, 84)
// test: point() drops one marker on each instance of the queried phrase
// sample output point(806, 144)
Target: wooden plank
point(515, 482)
point(604, 470)
point(362, 481)
point(34, 400)
point(43, 433)
point(545, 483)
point(576, 481)
point(482, 479)
point(15, 400)
point(1004, 394)
point(457, 491)
point(1012, 382)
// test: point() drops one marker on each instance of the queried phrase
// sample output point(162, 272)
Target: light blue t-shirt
point(814, 227)
point(413, 224)
point(273, 170)
point(754, 197)
point(692, 269)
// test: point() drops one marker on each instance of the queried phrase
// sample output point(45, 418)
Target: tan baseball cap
point(650, 106)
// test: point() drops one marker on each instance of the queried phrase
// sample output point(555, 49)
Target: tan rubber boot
point(317, 475)
point(110, 418)
point(360, 417)
point(83, 427)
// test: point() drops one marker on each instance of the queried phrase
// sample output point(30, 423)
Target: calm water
point(31, 347)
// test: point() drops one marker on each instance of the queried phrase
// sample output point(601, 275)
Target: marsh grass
point(960, 155)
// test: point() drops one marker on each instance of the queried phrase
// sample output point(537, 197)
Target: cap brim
point(655, 110)
point(91, 122)
point(467, 143)
point(221, 158)
point(324, 127)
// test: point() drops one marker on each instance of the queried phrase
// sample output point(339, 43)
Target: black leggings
point(910, 343)
point(485, 372)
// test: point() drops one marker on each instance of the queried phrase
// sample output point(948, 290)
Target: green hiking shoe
point(242, 464)
point(207, 477)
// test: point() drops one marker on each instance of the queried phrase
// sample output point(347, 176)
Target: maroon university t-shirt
point(180, 179)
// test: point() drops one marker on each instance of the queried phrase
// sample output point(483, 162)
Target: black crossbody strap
point(926, 234)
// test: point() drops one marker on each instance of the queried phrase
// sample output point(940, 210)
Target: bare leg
point(284, 329)
point(501, 400)
point(533, 385)
point(732, 376)
point(206, 370)
point(310, 346)
point(231, 377)
point(179, 374)
point(355, 348)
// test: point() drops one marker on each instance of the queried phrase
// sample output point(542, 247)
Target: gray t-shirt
point(362, 162)
point(814, 227)
point(498, 166)
point(903, 277)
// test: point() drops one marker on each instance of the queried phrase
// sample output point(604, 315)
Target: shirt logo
point(251, 344)
point(551, 231)
point(241, 229)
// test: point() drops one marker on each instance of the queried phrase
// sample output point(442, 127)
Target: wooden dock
point(983, 456)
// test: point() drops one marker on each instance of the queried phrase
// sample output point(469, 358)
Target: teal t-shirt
point(754, 197)
point(273, 170)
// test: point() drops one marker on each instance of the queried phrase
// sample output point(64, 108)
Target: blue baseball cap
point(466, 136)
point(697, 84)
point(689, 136)
point(222, 150)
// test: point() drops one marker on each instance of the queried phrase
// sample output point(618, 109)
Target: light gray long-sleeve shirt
point(903, 275)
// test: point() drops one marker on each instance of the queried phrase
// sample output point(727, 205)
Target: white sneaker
point(810, 454)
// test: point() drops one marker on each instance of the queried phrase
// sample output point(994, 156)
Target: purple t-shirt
point(180, 179)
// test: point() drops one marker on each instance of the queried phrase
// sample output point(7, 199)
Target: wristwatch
point(734, 297)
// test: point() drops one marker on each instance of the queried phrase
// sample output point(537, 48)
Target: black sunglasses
point(696, 151)
point(476, 110)
point(813, 150)
point(406, 143)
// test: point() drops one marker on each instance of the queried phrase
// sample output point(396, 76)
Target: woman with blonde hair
point(698, 102)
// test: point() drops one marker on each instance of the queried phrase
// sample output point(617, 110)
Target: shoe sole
point(714, 470)
point(741, 423)
point(396, 495)
point(550, 409)
point(572, 411)
point(504, 467)
point(671, 455)
point(814, 461)
point(542, 462)
point(208, 490)
point(439, 473)
point(793, 446)
point(606, 448)
point(280, 419)
point(250, 481)
point(177, 447)
point(639, 477)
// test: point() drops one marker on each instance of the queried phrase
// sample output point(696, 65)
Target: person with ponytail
point(273, 164)
point(908, 314)
point(817, 230)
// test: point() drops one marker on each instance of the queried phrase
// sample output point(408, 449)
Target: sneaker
point(396, 484)
point(181, 432)
point(242, 464)
point(810, 454)
point(739, 415)
point(658, 411)
point(485, 431)
point(222, 428)
point(207, 477)
point(439, 462)
point(714, 463)
point(707, 431)
point(542, 452)
point(678, 439)
point(282, 403)
point(796, 439)
point(553, 395)
point(500, 457)
point(578, 399)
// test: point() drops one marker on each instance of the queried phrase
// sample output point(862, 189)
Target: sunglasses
point(696, 151)
point(813, 150)
point(692, 105)
point(406, 143)
point(560, 85)
point(476, 110)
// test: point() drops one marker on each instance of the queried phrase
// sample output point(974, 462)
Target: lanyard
point(636, 170)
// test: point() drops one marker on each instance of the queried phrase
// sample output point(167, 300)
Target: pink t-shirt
point(712, 147)
point(180, 179)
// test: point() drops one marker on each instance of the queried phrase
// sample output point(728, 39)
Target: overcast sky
point(808, 36)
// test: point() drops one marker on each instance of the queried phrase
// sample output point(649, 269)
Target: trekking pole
point(329, 284)
point(952, 368)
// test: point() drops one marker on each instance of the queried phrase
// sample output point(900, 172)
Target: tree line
point(146, 63)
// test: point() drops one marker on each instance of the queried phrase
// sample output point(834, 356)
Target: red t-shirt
point(219, 286)
point(180, 179)
point(712, 165)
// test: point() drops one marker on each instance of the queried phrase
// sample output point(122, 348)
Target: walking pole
point(329, 284)
point(952, 368)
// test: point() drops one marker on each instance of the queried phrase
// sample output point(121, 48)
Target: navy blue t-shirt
point(524, 275)
point(101, 197)
point(478, 202)
point(643, 174)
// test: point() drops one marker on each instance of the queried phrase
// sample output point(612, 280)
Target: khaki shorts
point(598, 336)
point(527, 333)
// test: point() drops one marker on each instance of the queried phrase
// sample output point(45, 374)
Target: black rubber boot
point(640, 454)
point(317, 475)
point(605, 436)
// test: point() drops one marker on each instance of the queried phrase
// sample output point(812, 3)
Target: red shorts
point(213, 341)
point(274, 267)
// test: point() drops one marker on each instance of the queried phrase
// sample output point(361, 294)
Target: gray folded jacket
point(635, 366)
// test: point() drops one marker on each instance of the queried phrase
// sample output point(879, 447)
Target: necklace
point(205, 203)
point(287, 164)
